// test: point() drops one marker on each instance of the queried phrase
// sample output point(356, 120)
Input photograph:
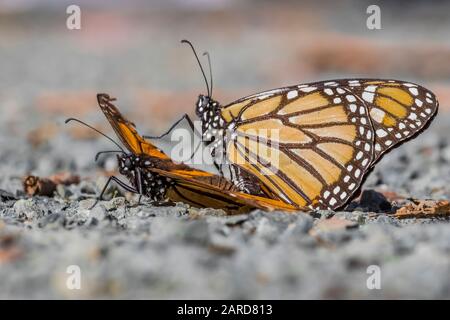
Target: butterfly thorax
point(215, 132)
point(208, 110)
point(136, 168)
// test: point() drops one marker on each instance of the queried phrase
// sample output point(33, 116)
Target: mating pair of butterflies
point(327, 136)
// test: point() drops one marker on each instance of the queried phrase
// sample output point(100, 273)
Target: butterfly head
point(205, 105)
point(127, 163)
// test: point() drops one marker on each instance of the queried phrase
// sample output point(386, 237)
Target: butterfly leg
point(119, 182)
point(124, 185)
point(139, 185)
point(184, 117)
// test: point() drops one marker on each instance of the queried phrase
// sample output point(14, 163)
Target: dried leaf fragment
point(65, 178)
point(424, 209)
point(36, 186)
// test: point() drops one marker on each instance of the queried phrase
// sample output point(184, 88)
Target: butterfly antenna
point(210, 72)
point(102, 152)
point(198, 60)
point(98, 131)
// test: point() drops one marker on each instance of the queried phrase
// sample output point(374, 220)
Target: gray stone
point(27, 209)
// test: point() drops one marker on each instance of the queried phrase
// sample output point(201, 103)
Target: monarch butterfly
point(153, 174)
point(328, 135)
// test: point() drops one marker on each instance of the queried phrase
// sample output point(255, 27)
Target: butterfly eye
point(127, 162)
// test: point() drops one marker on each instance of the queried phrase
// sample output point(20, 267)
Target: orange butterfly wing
point(219, 193)
point(327, 136)
point(126, 130)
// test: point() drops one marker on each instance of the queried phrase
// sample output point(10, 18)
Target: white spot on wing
point(265, 94)
point(414, 91)
point(362, 110)
point(381, 133)
point(292, 94)
point(377, 114)
point(333, 201)
point(371, 88)
point(308, 89)
point(368, 96)
point(350, 98)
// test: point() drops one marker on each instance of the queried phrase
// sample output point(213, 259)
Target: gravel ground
point(129, 251)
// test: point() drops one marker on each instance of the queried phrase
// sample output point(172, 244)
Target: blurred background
point(131, 50)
